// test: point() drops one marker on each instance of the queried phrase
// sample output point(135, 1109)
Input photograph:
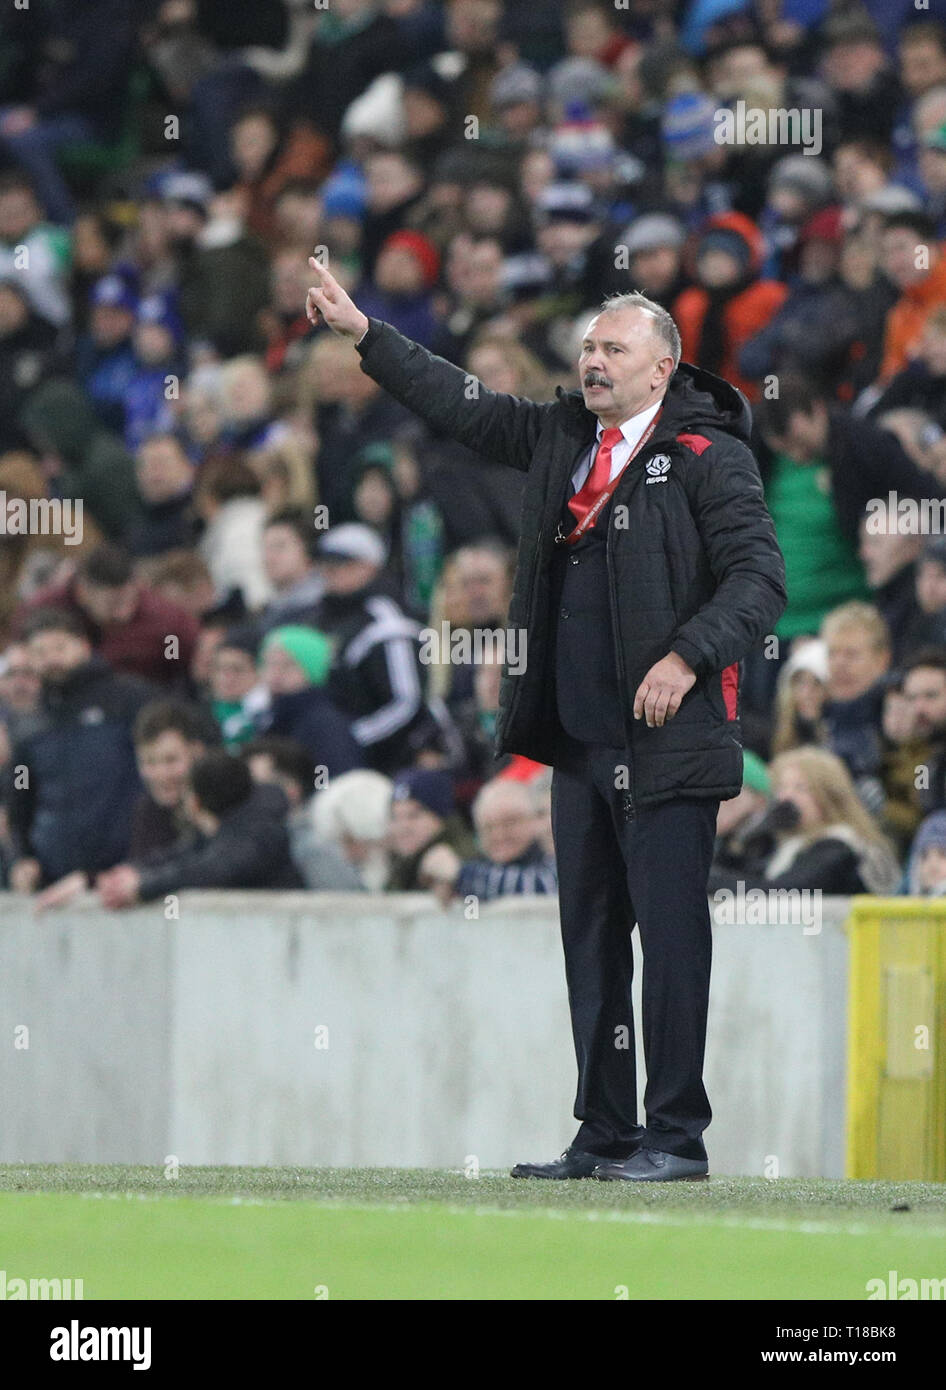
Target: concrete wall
point(446, 1038)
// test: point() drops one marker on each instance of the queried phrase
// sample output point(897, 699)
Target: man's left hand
point(660, 692)
point(119, 887)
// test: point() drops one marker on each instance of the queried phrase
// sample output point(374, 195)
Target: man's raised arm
point(501, 427)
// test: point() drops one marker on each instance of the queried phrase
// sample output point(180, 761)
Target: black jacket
point(865, 463)
point(72, 806)
point(693, 562)
point(249, 850)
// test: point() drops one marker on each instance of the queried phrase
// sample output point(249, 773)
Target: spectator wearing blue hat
point(105, 357)
point(157, 342)
point(423, 814)
point(926, 876)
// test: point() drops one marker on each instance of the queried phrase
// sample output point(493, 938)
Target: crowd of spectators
point(220, 677)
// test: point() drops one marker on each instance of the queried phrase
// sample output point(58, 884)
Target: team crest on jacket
point(657, 468)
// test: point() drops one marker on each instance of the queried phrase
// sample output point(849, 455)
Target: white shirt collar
point(633, 428)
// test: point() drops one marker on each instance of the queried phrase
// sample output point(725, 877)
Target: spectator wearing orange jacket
point(729, 304)
point(913, 260)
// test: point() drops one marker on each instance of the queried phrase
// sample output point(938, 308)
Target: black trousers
point(651, 869)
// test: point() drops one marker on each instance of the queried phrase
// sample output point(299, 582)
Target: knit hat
point(580, 79)
point(728, 240)
point(688, 125)
point(654, 230)
point(160, 309)
point(805, 174)
point(351, 540)
point(431, 786)
point(514, 85)
point(343, 194)
point(811, 657)
point(826, 225)
point(581, 144)
point(114, 291)
point(755, 774)
point(566, 202)
point(931, 834)
point(420, 247)
point(311, 649)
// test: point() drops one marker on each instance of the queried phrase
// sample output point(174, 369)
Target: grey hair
point(664, 326)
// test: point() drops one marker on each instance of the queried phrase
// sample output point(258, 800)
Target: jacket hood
point(695, 399)
point(59, 415)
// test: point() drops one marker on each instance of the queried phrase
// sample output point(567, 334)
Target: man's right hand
point(340, 313)
point(25, 875)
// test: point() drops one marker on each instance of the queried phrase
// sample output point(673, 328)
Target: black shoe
point(650, 1165)
point(573, 1163)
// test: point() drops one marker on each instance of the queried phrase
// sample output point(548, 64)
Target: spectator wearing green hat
point(294, 665)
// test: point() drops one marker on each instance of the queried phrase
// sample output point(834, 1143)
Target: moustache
point(596, 379)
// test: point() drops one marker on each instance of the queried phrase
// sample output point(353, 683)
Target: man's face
point(854, 663)
point(506, 827)
point(883, 555)
point(655, 270)
point(282, 674)
point(163, 470)
point(922, 66)
point(561, 240)
point(19, 214)
point(900, 258)
point(14, 311)
point(285, 558)
point(925, 691)
point(347, 576)
point(390, 181)
point(107, 606)
point(164, 765)
point(932, 867)
point(19, 683)
point(412, 826)
point(232, 673)
point(483, 582)
point(55, 655)
point(805, 435)
point(110, 324)
point(484, 272)
point(623, 364)
point(931, 586)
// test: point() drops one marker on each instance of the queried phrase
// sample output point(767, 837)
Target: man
point(169, 737)
point(513, 860)
point(241, 841)
point(924, 688)
point(165, 479)
point(913, 261)
point(73, 783)
point(133, 629)
point(376, 676)
point(288, 541)
point(635, 630)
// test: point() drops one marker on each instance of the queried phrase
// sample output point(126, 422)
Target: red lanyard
point(591, 515)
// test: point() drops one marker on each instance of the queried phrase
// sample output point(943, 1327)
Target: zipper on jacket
point(628, 809)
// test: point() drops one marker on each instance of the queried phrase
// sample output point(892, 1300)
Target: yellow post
point(896, 1094)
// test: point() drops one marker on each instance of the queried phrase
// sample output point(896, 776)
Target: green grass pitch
point(294, 1233)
